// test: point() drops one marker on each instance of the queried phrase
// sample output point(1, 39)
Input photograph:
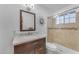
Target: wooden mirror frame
point(21, 21)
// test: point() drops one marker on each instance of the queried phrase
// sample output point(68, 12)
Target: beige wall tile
point(67, 37)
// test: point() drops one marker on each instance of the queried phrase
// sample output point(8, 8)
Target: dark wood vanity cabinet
point(34, 47)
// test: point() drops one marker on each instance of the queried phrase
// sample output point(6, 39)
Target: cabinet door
point(39, 50)
point(25, 48)
point(29, 48)
point(39, 46)
point(19, 49)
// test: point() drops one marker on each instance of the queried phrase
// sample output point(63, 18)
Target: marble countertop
point(22, 39)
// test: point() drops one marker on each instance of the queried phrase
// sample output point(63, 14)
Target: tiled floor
point(52, 52)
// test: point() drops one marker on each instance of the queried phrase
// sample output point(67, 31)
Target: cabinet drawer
point(39, 42)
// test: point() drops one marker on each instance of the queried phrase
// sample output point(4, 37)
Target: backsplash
point(25, 33)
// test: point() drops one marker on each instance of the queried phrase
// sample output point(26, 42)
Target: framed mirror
point(27, 21)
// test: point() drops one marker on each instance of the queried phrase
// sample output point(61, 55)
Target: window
point(57, 20)
point(61, 19)
point(72, 17)
point(69, 17)
point(66, 19)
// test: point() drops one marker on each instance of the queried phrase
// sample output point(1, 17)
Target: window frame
point(64, 18)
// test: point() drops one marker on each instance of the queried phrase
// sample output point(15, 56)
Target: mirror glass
point(27, 21)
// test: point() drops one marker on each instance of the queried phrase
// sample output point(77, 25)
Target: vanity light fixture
point(29, 6)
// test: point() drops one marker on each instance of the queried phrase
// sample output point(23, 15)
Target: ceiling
point(54, 7)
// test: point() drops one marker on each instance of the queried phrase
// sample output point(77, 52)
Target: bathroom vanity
point(29, 43)
point(33, 44)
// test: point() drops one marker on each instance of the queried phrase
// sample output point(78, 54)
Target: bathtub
point(54, 48)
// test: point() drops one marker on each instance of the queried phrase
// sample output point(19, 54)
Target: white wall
point(9, 22)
